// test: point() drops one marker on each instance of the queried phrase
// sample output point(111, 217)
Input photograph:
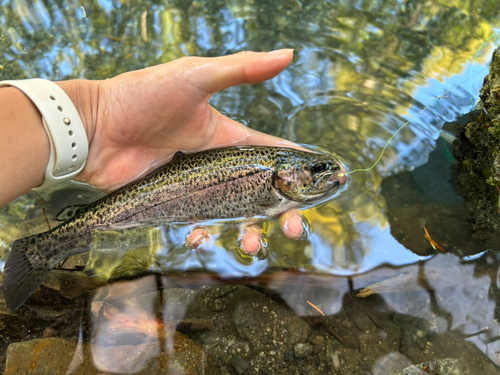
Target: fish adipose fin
point(20, 277)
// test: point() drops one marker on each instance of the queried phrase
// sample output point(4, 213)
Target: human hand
point(143, 117)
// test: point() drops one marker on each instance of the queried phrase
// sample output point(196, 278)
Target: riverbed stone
point(446, 366)
point(176, 301)
point(182, 356)
point(54, 356)
point(362, 321)
point(390, 363)
point(51, 356)
point(318, 343)
point(240, 365)
point(216, 299)
point(263, 321)
point(71, 284)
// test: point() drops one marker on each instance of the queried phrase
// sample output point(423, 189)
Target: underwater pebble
point(318, 344)
point(240, 365)
point(302, 350)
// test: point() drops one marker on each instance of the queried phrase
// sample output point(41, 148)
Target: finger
point(218, 73)
point(196, 238)
point(292, 224)
point(251, 240)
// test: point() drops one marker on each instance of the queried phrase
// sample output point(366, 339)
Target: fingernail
point(196, 238)
point(284, 51)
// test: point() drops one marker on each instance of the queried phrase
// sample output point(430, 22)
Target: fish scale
point(226, 183)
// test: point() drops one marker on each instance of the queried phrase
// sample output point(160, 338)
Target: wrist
point(85, 97)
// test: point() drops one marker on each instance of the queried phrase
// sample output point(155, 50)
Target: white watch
point(68, 141)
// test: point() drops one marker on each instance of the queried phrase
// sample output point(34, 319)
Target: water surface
point(360, 71)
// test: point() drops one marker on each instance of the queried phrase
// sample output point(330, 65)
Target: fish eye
point(319, 168)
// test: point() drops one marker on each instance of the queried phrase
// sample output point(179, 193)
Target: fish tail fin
point(21, 278)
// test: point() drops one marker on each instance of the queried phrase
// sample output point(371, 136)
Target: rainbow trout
point(226, 183)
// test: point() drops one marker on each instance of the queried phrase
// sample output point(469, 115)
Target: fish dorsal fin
point(69, 212)
point(178, 154)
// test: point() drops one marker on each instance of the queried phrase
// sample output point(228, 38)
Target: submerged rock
point(240, 365)
point(71, 284)
point(391, 363)
point(263, 321)
point(180, 355)
point(53, 356)
point(447, 366)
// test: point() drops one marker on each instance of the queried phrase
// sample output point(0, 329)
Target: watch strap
point(67, 137)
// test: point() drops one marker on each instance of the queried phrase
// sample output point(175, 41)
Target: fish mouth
point(333, 183)
point(333, 180)
point(328, 183)
point(340, 179)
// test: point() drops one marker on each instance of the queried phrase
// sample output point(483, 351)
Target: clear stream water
point(361, 69)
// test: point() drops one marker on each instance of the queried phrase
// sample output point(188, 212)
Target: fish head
point(308, 177)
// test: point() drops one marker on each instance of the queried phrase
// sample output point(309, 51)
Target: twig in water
point(318, 320)
point(434, 244)
point(315, 308)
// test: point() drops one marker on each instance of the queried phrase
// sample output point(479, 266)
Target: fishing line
point(406, 123)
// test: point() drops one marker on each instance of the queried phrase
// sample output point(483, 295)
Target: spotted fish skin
point(226, 183)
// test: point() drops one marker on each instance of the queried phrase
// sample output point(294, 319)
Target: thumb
point(219, 73)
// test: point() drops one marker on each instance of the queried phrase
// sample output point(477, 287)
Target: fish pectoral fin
point(267, 203)
point(69, 212)
point(20, 277)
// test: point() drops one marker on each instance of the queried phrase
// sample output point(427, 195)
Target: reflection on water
point(360, 71)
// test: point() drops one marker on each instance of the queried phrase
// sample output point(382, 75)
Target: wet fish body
point(227, 183)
